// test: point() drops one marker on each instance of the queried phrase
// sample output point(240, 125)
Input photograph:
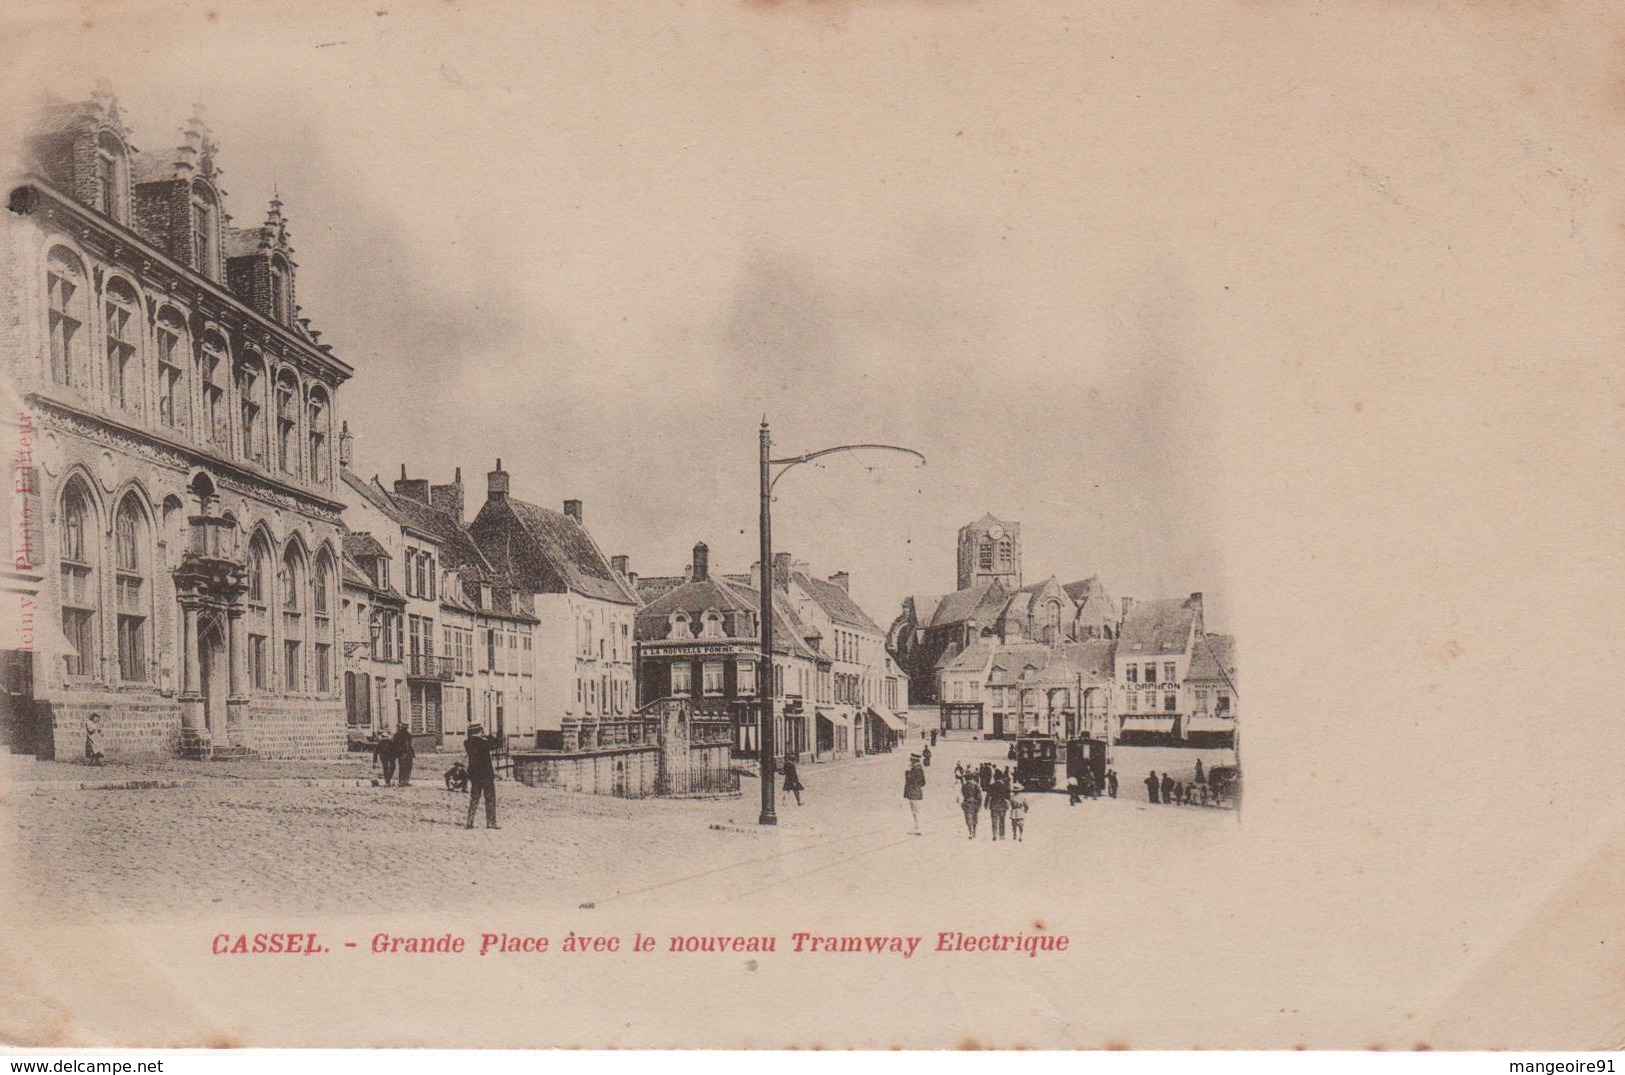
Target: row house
point(865, 715)
point(584, 606)
point(463, 643)
point(175, 525)
point(701, 640)
point(372, 625)
point(1010, 689)
point(1175, 681)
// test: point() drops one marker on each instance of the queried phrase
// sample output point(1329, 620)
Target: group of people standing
point(1002, 796)
point(396, 754)
point(476, 774)
point(1173, 792)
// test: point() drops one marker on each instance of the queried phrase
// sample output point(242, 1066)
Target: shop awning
point(892, 720)
point(841, 716)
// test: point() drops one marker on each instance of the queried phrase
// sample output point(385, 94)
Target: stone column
point(236, 658)
point(191, 678)
point(237, 652)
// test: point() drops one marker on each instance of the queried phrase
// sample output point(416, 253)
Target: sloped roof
point(1214, 652)
point(925, 607)
point(457, 548)
point(652, 586)
point(569, 553)
point(836, 602)
point(980, 603)
point(363, 546)
point(1093, 659)
point(1160, 626)
point(972, 657)
point(1082, 590)
point(696, 597)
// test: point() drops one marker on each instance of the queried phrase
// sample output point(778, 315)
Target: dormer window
point(281, 292)
point(203, 230)
point(678, 626)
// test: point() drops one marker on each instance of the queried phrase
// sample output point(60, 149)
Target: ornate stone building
point(176, 517)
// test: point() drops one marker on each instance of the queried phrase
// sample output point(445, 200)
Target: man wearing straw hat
point(482, 778)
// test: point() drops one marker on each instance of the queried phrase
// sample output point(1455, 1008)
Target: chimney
point(620, 563)
point(1196, 603)
point(412, 488)
point(449, 498)
point(843, 580)
point(632, 580)
point(782, 563)
point(346, 444)
point(702, 562)
point(496, 483)
point(572, 508)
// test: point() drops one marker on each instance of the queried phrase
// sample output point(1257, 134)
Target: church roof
point(981, 603)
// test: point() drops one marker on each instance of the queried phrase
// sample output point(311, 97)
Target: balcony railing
point(428, 666)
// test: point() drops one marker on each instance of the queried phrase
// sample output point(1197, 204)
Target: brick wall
point(163, 214)
point(133, 726)
point(299, 728)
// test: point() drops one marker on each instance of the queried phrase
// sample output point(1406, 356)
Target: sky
point(604, 255)
point(1315, 308)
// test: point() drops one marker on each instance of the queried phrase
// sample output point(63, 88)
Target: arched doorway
point(213, 672)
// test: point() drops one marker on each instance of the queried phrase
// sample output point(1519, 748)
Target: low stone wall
point(133, 725)
point(295, 728)
point(629, 772)
point(148, 725)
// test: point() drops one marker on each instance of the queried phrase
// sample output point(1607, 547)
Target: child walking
point(1018, 813)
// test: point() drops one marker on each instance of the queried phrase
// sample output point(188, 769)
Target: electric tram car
point(1036, 755)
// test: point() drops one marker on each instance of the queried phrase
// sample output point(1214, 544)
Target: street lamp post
point(764, 739)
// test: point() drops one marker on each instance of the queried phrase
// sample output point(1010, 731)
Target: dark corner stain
point(23, 200)
point(1118, 1046)
point(970, 1045)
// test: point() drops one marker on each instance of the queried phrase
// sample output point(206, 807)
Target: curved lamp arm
point(791, 461)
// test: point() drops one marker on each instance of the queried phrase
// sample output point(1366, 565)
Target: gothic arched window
point(78, 579)
point(129, 567)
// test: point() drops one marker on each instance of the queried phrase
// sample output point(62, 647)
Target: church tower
point(990, 549)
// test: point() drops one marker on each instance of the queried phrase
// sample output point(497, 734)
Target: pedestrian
point(93, 739)
point(925, 755)
point(1200, 779)
point(998, 805)
point(1151, 786)
point(482, 777)
point(1087, 787)
point(1074, 791)
point(933, 737)
point(1010, 755)
point(1111, 782)
point(1018, 814)
point(405, 753)
point(1167, 788)
point(792, 779)
point(914, 789)
point(959, 771)
point(970, 801)
point(384, 751)
point(457, 777)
